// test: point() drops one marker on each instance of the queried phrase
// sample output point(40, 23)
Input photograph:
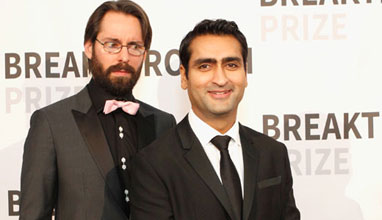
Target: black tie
point(230, 178)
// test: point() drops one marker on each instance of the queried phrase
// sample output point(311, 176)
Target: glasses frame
point(134, 52)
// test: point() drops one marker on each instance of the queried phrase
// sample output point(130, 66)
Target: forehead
point(215, 47)
point(120, 26)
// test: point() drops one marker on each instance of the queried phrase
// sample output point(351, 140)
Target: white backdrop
point(314, 84)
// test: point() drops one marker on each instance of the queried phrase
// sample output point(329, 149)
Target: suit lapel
point(92, 132)
point(199, 161)
point(250, 159)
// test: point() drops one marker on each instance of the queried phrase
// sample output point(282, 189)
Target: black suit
point(172, 178)
point(67, 164)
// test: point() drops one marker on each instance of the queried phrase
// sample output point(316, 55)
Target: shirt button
point(126, 193)
point(120, 128)
point(123, 160)
point(121, 135)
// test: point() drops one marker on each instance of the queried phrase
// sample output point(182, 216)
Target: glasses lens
point(115, 47)
point(135, 51)
point(112, 47)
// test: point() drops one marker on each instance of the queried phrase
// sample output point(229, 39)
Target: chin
point(125, 78)
point(221, 111)
point(221, 108)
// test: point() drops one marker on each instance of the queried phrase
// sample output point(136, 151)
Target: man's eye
point(204, 66)
point(112, 44)
point(136, 46)
point(232, 65)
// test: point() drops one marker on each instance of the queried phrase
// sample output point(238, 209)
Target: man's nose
point(220, 76)
point(124, 54)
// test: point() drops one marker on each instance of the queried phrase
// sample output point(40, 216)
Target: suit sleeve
point(149, 197)
point(291, 211)
point(39, 172)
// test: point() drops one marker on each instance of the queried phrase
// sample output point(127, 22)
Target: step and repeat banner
point(314, 83)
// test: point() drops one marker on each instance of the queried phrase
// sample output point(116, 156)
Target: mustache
point(121, 66)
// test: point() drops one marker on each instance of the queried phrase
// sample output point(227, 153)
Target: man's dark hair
point(213, 27)
point(124, 6)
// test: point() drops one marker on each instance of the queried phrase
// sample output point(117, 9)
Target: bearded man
point(77, 154)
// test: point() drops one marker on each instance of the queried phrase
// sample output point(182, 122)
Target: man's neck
point(221, 123)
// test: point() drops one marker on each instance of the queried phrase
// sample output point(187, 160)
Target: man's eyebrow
point(139, 43)
point(117, 40)
point(204, 60)
point(110, 39)
point(230, 59)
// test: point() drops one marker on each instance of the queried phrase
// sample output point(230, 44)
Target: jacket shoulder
point(62, 108)
point(163, 119)
point(64, 103)
point(260, 139)
point(151, 109)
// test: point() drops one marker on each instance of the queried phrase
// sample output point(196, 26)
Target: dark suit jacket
point(67, 164)
point(173, 179)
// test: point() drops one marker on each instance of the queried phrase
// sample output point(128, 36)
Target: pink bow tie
point(127, 106)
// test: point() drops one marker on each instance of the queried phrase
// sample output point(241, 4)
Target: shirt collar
point(205, 133)
point(99, 95)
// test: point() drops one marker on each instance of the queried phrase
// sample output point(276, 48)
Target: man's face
point(117, 73)
point(216, 76)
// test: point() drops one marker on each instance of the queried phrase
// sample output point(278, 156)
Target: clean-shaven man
point(211, 167)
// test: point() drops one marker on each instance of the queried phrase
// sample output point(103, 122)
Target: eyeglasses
point(114, 47)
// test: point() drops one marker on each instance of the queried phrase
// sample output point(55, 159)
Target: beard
point(116, 86)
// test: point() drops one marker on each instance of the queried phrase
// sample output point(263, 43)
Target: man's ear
point(88, 46)
point(246, 74)
point(183, 77)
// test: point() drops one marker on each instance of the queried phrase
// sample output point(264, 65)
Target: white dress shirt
point(205, 133)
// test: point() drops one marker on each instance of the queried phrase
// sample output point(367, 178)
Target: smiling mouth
point(220, 94)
